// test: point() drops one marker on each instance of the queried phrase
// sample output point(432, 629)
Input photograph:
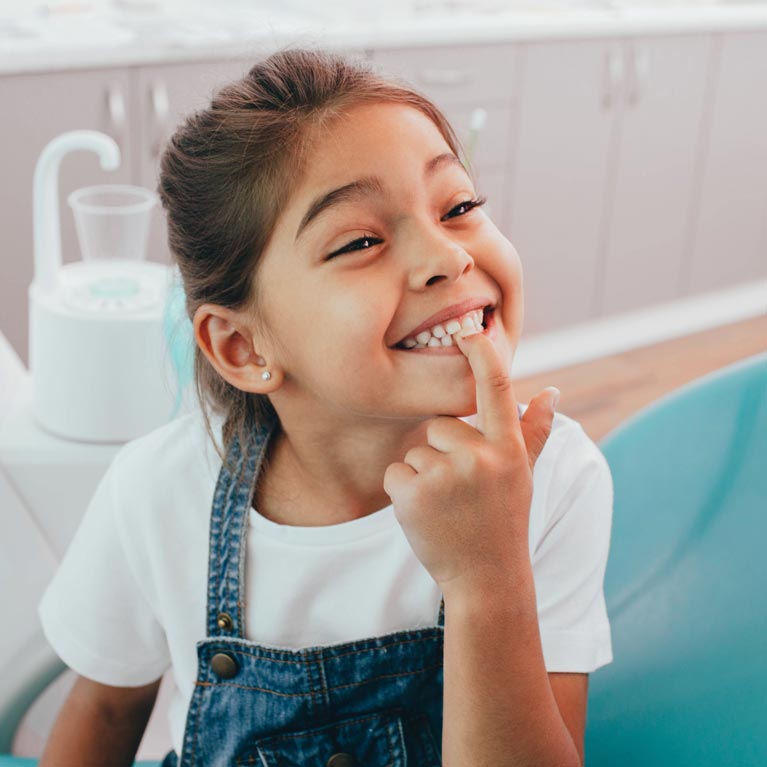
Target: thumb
point(537, 420)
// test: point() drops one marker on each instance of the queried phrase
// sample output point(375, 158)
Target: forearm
point(87, 736)
point(498, 709)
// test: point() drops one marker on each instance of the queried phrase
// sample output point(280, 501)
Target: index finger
point(497, 409)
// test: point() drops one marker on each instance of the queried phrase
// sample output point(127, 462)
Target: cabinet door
point(729, 243)
point(649, 210)
point(39, 108)
point(165, 96)
point(560, 169)
point(562, 157)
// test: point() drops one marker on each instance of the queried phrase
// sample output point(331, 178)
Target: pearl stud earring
point(266, 375)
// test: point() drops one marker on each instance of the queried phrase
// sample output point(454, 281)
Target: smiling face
point(382, 242)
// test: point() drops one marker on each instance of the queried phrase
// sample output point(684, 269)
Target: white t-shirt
point(129, 598)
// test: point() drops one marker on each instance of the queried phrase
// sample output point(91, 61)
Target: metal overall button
point(224, 665)
point(225, 622)
point(341, 760)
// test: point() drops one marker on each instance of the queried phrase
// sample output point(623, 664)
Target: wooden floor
point(602, 393)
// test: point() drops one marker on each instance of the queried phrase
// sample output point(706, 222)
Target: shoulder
point(169, 454)
point(163, 479)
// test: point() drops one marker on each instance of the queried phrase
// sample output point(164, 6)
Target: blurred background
point(622, 146)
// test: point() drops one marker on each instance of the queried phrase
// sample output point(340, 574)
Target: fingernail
point(467, 332)
point(555, 396)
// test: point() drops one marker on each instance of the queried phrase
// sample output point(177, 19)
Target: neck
point(317, 476)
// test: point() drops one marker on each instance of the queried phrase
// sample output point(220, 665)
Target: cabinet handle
point(116, 112)
point(444, 76)
point(640, 69)
point(158, 96)
point(613, 77)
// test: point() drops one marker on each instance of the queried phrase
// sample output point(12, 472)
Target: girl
point(386, 561)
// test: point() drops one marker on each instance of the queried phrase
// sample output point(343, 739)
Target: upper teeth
point(442, 334)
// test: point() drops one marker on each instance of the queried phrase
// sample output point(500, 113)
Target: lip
point(490, 332)
point(448, 313)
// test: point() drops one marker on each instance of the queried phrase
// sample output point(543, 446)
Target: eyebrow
point(364, 187)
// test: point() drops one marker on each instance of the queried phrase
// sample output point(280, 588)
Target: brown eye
point(463, 208)
point(361, 243)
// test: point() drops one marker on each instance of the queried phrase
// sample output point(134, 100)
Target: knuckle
point(518, 444)
point(471, 461)
point(412, 454)
point(500, 381)
point(438, 426)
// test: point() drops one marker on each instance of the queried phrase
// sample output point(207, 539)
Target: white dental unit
point(110, 360)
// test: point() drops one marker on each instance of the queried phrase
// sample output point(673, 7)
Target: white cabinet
point(649, 207)
point(560, 161)
point(460, 79)
point(605, 170)
point(729, 242)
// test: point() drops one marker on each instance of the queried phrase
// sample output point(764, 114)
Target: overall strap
point(228, 533)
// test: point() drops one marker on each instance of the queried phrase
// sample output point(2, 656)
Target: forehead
point(381, 139)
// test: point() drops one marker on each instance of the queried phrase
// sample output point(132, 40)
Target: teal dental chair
point(686, 580)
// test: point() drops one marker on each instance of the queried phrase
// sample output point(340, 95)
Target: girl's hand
point(463, 500)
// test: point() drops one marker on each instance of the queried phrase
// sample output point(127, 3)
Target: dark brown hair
point(229, 170)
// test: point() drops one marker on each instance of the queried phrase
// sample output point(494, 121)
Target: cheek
point(363, 308)
point(505, 266)
point(502, 263)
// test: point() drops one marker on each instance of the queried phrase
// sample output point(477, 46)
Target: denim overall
point(373, 702)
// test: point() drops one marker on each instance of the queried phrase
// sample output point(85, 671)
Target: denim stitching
point(317, 690)
point(337, 725)
point(323, 679)
point(368, 680)
point(192, 750)
point(313, 731)
point(386, 647)
point(259, 652)
point(311, 693)
point(255, 451)
point(224, 487)
point(258, 759)
point(402, 741)
point(231, 534)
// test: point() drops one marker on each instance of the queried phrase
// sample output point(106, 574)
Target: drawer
point(456, 74)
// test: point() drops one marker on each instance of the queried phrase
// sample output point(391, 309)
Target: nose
point(438, 260)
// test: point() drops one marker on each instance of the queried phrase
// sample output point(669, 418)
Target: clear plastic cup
point(113, 221)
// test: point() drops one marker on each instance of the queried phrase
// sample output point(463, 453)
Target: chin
point(461, 408)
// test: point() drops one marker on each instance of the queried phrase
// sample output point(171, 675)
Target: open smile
point(439, 338)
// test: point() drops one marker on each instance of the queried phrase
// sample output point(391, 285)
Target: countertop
point(131, 39)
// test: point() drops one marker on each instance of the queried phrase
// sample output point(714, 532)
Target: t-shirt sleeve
point(93, 612)
point(570, 558)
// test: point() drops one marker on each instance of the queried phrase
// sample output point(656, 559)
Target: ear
point(231, 346)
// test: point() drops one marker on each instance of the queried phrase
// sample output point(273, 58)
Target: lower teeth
point(435, 342)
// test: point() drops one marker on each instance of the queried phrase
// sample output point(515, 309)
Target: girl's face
point(381, 239)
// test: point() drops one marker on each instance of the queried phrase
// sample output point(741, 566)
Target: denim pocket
point(376, 740)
